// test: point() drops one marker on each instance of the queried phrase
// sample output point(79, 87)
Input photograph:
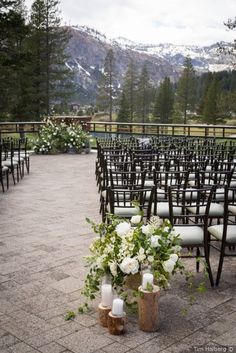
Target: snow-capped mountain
point(88, 47)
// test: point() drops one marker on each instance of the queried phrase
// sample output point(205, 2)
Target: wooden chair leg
point(220, 266)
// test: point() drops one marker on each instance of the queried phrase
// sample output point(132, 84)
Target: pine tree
point(51, 79)
point(165, 101)
point(210, 111)
point(124, 111)
point(230, 50)
point(129, 88)
point(205, 86)
point(143, 95)
point(13, 56)
point(186, 89)
point(105, 94)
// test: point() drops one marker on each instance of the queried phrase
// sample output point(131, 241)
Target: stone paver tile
point(68, 285)
point(20, 347)
point(7, 307)
point(116, 347)
point(228, 338)
point(86, 320)
point(2, 332)
point(54, 335)
point(84, 342)
point(29, 321)
point(3, 279)
point(157, 344)
point(52, 348)
point(11, 267)
point(7, 340)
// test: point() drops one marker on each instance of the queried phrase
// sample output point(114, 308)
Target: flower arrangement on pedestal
point(57, 136)
point(124, 248)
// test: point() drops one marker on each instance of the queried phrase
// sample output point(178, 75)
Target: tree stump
point(148, 310)
point(103, 312)
point(116, 324)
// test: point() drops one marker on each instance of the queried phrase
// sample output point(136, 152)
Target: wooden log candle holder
point(116, 324)
point(148, 310)
point(103, 312)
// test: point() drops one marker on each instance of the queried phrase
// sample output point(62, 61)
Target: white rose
point(113, 268)
point(129, 265)
point(141, 257)
point(99, 262)
point(150, 258)
point(123, 228)
point(176, 248)
point(136, 219)
point(146, 229)
point(174, 257)
point(155, 241)
point(168, 265)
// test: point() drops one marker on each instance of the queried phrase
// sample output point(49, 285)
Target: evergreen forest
point(35, 81)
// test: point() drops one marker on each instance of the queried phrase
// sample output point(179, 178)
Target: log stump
point(116, 324)
point(148, 309)
point(103, 312)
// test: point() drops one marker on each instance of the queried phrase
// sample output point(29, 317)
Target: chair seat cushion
point(216, 210)
point(217, 232)
point(160, 195)
point(125, 211)
point(163, 210)
point(149, 183)
point(232, 209)
point(189, 235)
point(8, 163)
point(5, 169)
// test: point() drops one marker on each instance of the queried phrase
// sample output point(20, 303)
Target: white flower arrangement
point(57, 136)
point(125, 248)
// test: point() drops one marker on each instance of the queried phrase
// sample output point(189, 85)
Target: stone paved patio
point(44, 237)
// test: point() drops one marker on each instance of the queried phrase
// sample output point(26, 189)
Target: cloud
point(154, 21)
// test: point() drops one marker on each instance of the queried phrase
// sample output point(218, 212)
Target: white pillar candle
point(118, 307)
point(147, 279)
point(106, 291)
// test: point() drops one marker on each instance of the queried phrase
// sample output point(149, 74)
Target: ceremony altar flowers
point(57, 136)
point(125, 248)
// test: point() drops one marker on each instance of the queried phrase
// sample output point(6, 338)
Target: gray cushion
point(189, 235)
point(149, 183)
point(217, 232)
point(8, 163)
point(125, 211)
point(216, 210)
point(163, 210)
point(232, 209)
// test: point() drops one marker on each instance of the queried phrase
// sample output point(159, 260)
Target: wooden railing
point(101, 128)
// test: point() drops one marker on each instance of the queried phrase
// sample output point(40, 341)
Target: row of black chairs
point(193, 193)
point(14, 160)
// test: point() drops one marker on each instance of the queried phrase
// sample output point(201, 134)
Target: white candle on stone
point(118, 307)
point(106, 291)
point(147, 279)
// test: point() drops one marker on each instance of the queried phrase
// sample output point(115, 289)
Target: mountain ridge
point(87, 49)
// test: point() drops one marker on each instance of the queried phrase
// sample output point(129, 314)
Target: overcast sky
point(199, 22)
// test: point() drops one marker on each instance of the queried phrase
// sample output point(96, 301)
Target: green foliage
point(105, 93)
point(33, 74)
point(165, 101)
point(143, 95)
point(124, 113)
point(128, 97)
point(70, 315)
point(124, 248)
point(186, 90)
point(59, 137)
point(210, 110)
